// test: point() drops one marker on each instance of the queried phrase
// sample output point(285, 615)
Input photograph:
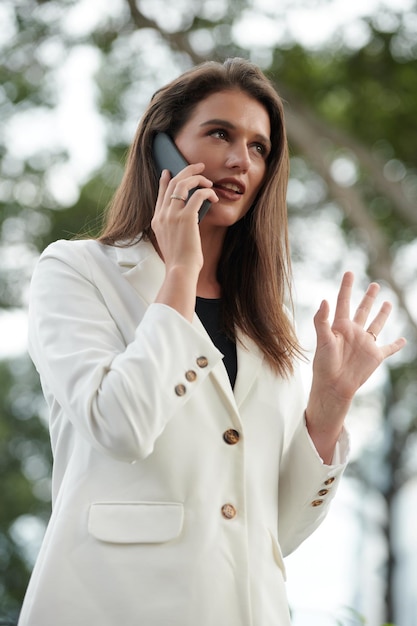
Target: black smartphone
point(168, 157)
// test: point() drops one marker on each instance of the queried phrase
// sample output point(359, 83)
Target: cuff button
point(202, 361)
point(317, 503)
point(180, 390)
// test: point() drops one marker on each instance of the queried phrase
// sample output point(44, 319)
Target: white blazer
point(174, 497)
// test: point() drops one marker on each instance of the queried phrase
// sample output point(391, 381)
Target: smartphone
point(168, 157)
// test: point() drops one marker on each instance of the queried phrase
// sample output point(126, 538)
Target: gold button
point(202, 361)
point(323, 492)
point(317, 503)
point(231, 436)
point(228, 511)
point(329, 481)
point(180, 390)
point(190, 376)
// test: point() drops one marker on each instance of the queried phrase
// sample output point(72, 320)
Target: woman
point(186, 462)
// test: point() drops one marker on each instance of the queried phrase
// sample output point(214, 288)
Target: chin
point(224, 215)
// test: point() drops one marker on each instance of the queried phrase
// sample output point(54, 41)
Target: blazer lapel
point(249, 363)
point(142, 267)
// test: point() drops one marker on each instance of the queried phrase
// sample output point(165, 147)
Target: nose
point(238, 156)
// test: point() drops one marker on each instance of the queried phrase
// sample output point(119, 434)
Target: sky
point(321, 572)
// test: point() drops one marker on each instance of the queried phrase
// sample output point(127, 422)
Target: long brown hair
point(255, 267)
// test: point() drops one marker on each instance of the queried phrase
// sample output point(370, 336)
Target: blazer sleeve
point(306, 485)
point(118, 395)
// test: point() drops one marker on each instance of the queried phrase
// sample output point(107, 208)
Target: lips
point(230, 187)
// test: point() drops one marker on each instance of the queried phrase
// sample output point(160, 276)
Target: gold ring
point(371, 333)
point(175, 197)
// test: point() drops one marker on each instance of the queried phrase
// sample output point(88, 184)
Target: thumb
point(321, 322)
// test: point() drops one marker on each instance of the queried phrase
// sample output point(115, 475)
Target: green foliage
point(368, 93)
point(25, 465)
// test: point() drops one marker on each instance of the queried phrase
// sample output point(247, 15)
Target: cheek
point(258, 178)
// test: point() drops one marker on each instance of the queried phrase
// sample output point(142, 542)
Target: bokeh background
point(75, 76)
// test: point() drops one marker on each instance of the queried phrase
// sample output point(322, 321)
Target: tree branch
point(177, 41)
point(405, 207)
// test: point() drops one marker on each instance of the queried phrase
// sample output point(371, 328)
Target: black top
point(208, 310)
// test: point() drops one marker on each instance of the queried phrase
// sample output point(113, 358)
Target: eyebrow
point(219, 122)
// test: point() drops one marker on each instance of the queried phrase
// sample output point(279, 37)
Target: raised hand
point(347, 351)
point(347, 354)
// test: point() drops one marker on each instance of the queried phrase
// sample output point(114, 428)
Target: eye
point(220, 133)
point(260, 149)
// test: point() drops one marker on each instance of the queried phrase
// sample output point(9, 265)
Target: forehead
point(235, 106)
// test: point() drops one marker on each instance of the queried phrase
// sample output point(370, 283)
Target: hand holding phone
point(168, 157)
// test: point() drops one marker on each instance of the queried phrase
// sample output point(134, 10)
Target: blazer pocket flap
point(135, 522)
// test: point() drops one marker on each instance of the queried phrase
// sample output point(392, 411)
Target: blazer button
point(323, 492)
point(190, 376)
point(202, 361)
point(180, 390)
point(317, 503)
point(228, 511)
point(231, 436)
point(329, 481)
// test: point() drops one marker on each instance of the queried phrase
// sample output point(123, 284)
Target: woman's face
point(229, 131)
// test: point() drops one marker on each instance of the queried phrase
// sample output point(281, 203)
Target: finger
point(380, 319)
point(177, 197)
point(183, 187)
point(343, 299)
point(191, 169)
point(167, 183)
point(194, 169)
point(368, 300)
point(176, 209)
point(393, 347)
point(193, 204)
point(321, 322)
point(162, 188)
